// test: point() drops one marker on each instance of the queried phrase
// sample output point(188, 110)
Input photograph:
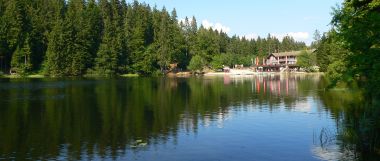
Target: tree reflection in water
point(83, 119)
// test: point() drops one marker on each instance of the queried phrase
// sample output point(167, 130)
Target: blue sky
point(250, 18)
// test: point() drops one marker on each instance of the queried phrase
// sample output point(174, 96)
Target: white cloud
point(217, 26)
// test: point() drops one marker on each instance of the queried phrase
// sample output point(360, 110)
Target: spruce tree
point(12, 28)
point(55, 59)
point(163, 41)
point(78, 30)
point(110, 49)
point(139, 35)
point(56, 54)
point(94, 29)
point(177, 41)
point(106, 60)
point(21, 63)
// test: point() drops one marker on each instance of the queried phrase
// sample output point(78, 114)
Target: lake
point(271, 117)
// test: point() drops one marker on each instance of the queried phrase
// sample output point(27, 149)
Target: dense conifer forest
point(110, 37)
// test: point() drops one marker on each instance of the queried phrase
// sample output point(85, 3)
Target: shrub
point(196, 64)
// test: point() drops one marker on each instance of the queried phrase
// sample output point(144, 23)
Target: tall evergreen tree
point(139, 35)
point(78, 50)
point(94, 29)
point(207, 43)
point(12, 30)
point(163, 41)
point(21, 63)
point(109, 51)
point(55, 61)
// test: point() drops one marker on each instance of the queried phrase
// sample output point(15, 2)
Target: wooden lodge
point(278, 62)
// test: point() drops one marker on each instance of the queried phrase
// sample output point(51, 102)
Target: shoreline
point(180, 74)
point(22, 77)
point(261, 73)
point(39, 76)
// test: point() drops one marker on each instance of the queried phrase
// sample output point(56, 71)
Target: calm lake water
point(206, 118)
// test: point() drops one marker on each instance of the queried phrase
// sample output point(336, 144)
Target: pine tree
point(56, 60)
point(163, 41)
point(21, 63)
point(178, 53)
point(194, 25)
point(106, 62)
point(78, 30)
point(94, 30)
point(3, 38)
point(119, 39)
point(55, 57)
point(193, 32)
point(139, 34)
point(61, 45)
point(36, 29)
point(207, 43)
point(12, 28)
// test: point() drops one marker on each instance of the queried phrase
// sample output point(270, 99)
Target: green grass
point(20, 76)
point(10, 76)
point(35, 76)
point(129, 75)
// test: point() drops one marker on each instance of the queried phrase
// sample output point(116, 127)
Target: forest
point(113, 37)
point(349, 52)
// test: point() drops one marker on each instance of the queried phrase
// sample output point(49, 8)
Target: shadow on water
point(86, 119)
point(357, 119)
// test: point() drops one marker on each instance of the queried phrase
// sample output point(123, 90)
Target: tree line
point(108, 37)
point(349, 52)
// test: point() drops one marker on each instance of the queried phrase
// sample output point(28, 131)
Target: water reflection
point(357, 123)
point(110, 119)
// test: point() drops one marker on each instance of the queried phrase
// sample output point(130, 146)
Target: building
point(284, 58)
point(275, 62)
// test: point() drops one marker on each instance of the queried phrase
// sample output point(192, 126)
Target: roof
point(290, 53)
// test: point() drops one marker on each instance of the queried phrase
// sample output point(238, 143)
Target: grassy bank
point(129, 75)
point(22, 76)
point(45, 76)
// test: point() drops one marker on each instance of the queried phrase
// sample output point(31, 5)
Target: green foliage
point(307, 60)
point(21, 59)
point(218, 61)
point(56, 55)
point(336, 70)
point(196, 64)
point(289, 44)
point(350, 50)
point(169, 40)
point(228, 59)
point(317, 40)
point(207, 43)
point(147, 66)
point(111, 47)
point(110, 37)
